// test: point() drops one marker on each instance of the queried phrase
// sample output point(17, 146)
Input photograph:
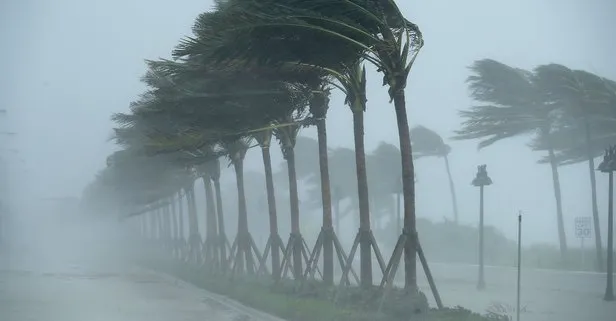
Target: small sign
point(583, 227)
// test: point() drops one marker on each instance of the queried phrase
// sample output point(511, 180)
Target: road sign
point(583, 227)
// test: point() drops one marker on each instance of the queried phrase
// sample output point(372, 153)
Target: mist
point(69, 65)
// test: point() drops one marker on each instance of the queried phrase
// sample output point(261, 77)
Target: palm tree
point(147, 183)
point(426, 143)
point(319, 104)
point(274, 242)
point(242, 247)
point(512, 105)
point(287, 136)
point(354, 85)
point(246, 100)
point(369, 28)
point(384, 176)
point(223, 241)
point(137, 130)
point(588, 102)
point(343, 178)
point(211, 245)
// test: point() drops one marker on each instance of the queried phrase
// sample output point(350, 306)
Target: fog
point(68, 65)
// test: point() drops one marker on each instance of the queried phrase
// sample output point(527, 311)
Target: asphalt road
point(546, 295)
point(69, 275)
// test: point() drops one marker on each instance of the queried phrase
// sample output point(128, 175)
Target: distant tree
point(307, 157)
point(426, 143)
point(384, 177)
point(512, 105)
point(588, 105)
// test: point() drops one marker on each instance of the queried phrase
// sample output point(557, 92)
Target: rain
point(296, 160)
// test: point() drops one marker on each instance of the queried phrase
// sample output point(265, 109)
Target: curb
point(254, 314)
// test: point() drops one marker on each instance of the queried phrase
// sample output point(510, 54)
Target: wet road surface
point(69, 275)
point(546, 295)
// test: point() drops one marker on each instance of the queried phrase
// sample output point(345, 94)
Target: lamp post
point(608, 165)
point(481, 179)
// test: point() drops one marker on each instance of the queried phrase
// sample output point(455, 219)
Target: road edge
point(232, 304)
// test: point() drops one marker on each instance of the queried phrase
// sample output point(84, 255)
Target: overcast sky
point(66, 65)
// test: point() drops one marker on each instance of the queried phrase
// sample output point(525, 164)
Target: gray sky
point(68, 64)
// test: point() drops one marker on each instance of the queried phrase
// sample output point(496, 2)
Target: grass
point(314, 301)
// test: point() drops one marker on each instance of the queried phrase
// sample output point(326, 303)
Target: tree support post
point(274, 245)
point(243, 254)
point(295, 250)
point(313, 261)
point(389, 275)
point(362, 236)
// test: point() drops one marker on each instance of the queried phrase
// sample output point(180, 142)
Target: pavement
point(69, 275)
point(546, 295)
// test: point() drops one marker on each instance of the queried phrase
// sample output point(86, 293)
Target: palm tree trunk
point(176, 227)
point(155, 225)
point(211, 236)
point(452, 190)
point(161, 225)
point(593, 189)
point(398, 216)
point(193, 222)
point(167, 225)
point(151, 226)
point(408, 192)
point(243, 235)
point(222, 245)
point(180, 217)
point(273, 216)
point(294, 199)
point(562, 238)
point(337, 209)
point(363, 197)
point(326, 200)
point(144, 226)
point(174, 220)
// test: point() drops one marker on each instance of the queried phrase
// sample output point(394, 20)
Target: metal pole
point(609, 289)
point(519, 265)
point(481, 284)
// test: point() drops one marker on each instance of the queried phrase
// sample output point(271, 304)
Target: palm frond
point(427, 142)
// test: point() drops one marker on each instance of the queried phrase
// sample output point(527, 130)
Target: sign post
point(583, 230)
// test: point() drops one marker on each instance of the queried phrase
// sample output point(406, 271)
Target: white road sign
point(583, 227)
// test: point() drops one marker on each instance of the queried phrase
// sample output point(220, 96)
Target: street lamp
point(608, 165)
point(481, 179)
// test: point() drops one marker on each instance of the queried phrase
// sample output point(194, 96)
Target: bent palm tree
point(586, 99)
point(428, 143)
point(267, 31)
point(512, 105)
point(274, 243)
